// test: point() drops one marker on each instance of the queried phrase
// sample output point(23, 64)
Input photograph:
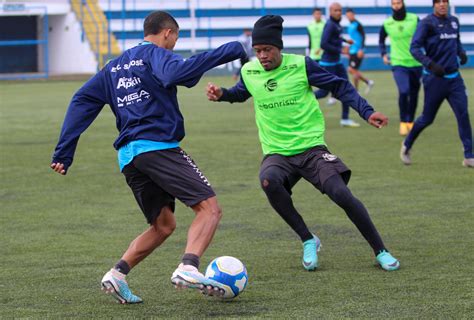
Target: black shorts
point(158, 177)
point(354, 61)
point(316, 165)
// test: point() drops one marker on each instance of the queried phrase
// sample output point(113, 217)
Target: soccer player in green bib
point(291, 131)
point(401, 27)
point(315, 32)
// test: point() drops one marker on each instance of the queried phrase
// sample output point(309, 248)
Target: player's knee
point(269, 183)
point(215, 214)
point(168, 229)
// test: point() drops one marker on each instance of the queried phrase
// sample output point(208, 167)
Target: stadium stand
point(206, 24)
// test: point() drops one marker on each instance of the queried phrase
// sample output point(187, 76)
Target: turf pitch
point(60, 234)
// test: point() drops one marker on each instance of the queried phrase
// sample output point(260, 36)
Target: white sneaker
point(331, 101)
point(186, 276)
point(468, 163)
point(370, 84)
point(114, 283)
point(349, 123)
point(405, 155)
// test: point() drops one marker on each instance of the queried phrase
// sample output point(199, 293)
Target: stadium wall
point(68, 52)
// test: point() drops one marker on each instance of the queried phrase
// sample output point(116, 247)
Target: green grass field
point(60, 234)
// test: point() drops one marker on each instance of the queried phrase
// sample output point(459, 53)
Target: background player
point(315, 32)
point(140, 87)
point(246, 40)
point(356, 32)
point(401, 27)
point(437, 45)
point(291, 130)
point(331, 43)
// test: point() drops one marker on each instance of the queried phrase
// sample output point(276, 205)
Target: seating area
point(206, 24)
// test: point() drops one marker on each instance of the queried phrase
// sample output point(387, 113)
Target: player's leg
point(457, 99)
point(176, 173)
point(157, 206)
point(355, 75)
point(436, 90)
point(341, 72)
point(277, 178)
point(402, 79)
point(415, 84)
point(151, 238)
point(330, 175)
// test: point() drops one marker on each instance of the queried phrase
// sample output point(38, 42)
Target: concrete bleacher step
point(96, 28)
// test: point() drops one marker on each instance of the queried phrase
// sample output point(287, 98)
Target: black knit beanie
point(434, 1)
point(267, 30)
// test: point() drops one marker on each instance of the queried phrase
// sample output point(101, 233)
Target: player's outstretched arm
point(172, 69)
point(340, 88)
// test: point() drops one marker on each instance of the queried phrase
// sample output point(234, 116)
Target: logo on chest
point(271, 85)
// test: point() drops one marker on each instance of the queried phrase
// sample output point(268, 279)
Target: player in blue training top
point(437, 45)
point(331, 43)
point(140, 88)
point(356, 50)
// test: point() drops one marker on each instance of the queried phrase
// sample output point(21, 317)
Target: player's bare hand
point(214, 93)
point(386, 60)
point(350, 41)
point(360, 54)
point(318, 51)
point(378, 120)
point(345, 50)
point(59, 168)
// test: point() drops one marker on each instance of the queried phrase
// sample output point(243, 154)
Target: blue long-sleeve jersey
point(140, 88)
point(437, 39)
point(331, 41)
point(317, 77)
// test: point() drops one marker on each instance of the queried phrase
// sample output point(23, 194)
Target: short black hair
point(316, 9)
point(157, 21)
point(350, 10)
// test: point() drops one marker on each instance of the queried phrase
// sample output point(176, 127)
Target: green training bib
point(401, 33)
point(315, 30)
point(287, 114)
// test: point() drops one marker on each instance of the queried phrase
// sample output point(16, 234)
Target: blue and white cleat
point(114, 283)
point(387, 261)
point(311, 248)
point(186, 276)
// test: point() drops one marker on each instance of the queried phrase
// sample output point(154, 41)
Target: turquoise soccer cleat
point(114, 283)
point(310, 253)
point(387, 261)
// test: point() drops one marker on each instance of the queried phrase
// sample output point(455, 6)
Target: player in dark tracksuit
point(437, 45)
point(331, 43)
point(140, 86)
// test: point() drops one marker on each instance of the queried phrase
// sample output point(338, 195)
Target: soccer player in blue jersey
point(356, 32)
point(331, 43)
point(437, 45)
point(140, 86)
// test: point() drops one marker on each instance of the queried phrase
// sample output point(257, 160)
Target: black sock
point(190, 259)
point(337, 190)
point(122, 267)
point(280, 199)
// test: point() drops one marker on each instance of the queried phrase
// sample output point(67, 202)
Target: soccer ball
point(231, 273)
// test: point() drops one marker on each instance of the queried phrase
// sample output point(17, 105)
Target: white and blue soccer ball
point(231, 273)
